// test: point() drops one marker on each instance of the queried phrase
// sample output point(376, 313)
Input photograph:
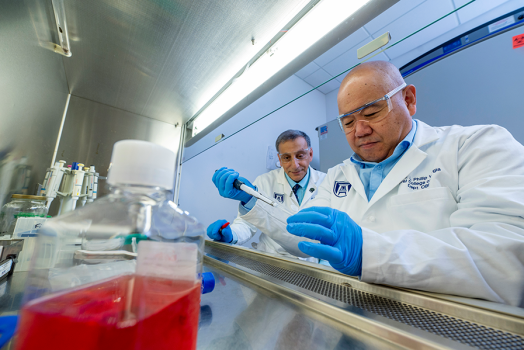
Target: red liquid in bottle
point(128, 312)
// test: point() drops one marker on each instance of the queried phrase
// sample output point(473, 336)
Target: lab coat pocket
point(424, 210)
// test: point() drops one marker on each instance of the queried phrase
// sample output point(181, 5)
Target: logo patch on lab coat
point(279, 197)
point(341, 188)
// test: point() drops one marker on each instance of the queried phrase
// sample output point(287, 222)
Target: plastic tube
point(91, 180)
point(77, 184)
point(67, 190)
point(54, 181)
point(95, 185)
point(85, 185)
point(47, 175)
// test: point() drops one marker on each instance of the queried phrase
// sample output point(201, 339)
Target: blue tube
point(208, 282)
point(7, 328)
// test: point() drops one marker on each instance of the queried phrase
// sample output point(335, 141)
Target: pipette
point(77, 184)
point(239, 185)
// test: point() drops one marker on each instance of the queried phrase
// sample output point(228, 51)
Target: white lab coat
point(275, 186)
point(448, 218)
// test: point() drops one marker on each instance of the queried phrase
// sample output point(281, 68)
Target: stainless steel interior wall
point(91, 129)
point(33, 92)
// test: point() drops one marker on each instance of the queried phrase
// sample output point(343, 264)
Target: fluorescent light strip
point(318, 22)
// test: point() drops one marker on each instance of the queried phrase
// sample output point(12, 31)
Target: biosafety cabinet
point(216, 82)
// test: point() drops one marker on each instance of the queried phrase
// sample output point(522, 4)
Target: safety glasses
point(372, 112)
point(300, 155)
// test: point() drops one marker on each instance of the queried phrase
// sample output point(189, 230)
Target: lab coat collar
point(350, 172)
point(311, 186)
point(425, 134)
point(407, 163)
point(287, 189)
point(281, 178)
point(313, 178)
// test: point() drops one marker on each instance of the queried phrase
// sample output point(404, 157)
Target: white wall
point(246, 151)
point(479, 85)
point(331, 105)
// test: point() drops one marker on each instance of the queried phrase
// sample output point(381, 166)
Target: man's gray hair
point(292, 135)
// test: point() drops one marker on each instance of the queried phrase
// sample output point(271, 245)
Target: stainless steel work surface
point(11, 292)
point(408, 319)
point(239, 315)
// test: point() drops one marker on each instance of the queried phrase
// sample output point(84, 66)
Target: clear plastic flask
point(121, 273)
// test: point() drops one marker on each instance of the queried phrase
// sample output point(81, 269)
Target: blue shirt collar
point(303, 183)
point(399, 150)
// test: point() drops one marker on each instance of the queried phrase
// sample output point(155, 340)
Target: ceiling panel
point(475, 9)
point(349, 59)
point(328, 87)
point(165, 59)
point(307, 70)
point(414, 20)
point(319, 77)
point(340, 78)
point(393, 13)
point(342, 47)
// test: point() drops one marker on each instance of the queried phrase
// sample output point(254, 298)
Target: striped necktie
point(295, 190)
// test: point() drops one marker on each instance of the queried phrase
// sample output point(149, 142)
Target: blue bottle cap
point(7, 328)
point(208, 282)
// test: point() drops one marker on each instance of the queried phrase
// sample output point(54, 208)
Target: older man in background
point(293, 185)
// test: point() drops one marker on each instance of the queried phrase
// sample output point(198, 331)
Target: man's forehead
point(362, 88)
point(292, 145)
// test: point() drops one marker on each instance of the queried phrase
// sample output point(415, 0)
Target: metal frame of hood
point(179, 158)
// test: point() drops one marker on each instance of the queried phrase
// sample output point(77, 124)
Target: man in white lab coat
point(293, 185)
point(432, 208)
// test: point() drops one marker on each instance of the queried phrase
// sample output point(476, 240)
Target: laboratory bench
point(264, 301)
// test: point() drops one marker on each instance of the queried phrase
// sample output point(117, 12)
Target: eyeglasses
point(372, 112)
point(300, 155)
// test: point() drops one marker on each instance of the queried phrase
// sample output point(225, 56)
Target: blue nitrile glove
point(224, 178)
point(340, 237)
point(213, 232)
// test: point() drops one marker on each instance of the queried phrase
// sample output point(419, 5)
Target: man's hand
point(225, 235)
point(340, 237)
point(224, 178)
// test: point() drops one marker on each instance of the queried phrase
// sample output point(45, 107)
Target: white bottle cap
point(142, 163)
